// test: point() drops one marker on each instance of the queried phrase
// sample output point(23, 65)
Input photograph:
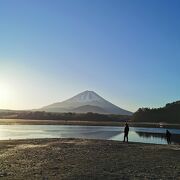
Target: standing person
point(126, 131)
point(168, 137)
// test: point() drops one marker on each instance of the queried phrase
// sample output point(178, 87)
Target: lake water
point(136, 134)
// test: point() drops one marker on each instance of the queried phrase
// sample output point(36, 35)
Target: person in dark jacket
point(168, 137)
point(126, 131)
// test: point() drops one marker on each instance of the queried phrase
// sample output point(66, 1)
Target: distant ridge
point(87, 101)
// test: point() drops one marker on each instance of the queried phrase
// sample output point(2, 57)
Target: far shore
point(87, 159)
point(85, 123)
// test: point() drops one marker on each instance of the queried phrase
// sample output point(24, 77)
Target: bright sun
point(5, 94)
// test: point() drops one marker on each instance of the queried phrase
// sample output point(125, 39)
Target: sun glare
point(5, 94)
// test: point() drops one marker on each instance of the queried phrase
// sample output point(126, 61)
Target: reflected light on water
point(136, 134)
point(3, 132)
point(136, 137)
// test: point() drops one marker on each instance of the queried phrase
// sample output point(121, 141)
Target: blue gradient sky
point(126, 51)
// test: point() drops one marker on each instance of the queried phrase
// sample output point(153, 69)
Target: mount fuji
point(87, 101)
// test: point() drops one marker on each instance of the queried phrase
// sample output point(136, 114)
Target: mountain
point(89, 108)
point(87, 101)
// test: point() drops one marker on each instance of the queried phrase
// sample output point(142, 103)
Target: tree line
point(169, 114)
point(42, 115)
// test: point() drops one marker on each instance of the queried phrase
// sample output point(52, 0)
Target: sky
point(126, 51)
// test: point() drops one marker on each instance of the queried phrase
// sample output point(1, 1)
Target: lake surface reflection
point(136, 134)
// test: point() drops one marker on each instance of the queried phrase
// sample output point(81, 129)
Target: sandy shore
point(87, 159)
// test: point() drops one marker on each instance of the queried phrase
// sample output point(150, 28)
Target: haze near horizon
point(126, 51)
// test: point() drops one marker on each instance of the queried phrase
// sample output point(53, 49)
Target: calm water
point(136, 134)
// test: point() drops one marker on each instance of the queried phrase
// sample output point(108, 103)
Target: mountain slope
point(89, 100)
point(89, 108)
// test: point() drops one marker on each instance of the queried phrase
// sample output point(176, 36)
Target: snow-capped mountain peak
point(87, 101)
point(86, 96)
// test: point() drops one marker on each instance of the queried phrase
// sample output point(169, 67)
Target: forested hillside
point(42, 115)
point(169, 114)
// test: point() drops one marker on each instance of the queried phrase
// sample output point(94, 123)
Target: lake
point(136, 134)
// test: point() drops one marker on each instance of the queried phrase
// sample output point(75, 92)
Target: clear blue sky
point(128, 51)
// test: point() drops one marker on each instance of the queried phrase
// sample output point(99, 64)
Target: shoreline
point(85, 123)
point(87, 159)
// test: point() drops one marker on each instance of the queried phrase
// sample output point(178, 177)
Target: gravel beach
point(87, 159)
